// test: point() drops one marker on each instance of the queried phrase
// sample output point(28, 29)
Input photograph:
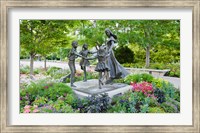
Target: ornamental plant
point(138, 78)
point(144, 87)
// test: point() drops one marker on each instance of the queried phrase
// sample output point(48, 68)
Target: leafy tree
point(147, 34)
point(44, 36)
point(30, 38)
point(151, 33)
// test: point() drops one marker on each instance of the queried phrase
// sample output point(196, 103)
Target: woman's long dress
point(116, 70)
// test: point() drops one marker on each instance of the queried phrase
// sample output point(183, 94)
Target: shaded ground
point(64, 65)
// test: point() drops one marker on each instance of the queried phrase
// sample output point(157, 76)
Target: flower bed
point(148, 95)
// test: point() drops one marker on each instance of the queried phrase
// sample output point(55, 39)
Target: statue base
point(91, 87)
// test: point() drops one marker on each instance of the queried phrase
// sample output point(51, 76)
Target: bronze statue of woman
point(116, 70)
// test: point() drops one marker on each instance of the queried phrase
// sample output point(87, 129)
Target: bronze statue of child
point(102, 66)
point(72, 56)
point(84, 62)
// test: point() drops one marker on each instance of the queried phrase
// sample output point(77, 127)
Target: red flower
point(144, 87)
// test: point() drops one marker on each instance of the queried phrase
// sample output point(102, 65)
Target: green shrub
point(169, 90)
point(119, 80)
point(177, 95)
point(156, 110)
point(138, 78)
point(174, 67)
point(52, 70)
point(169, 107)
point(160, 95)
point(174, 102)
point(92, 104)
point(153, 102)
point(134, 65)
point(25, 70)
point(92, 75)
point(37, 71)
point(97, 103)
point(124, 51)
point(40, 101)
point(158, 82)
point(130, 102)
point(61, 107)
point(157, 66)
point(42, 91)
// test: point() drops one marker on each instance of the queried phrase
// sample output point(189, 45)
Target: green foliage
point(118, 80)
point(93, 104)
point(177, 95)
point(158, 82)
point(50, 97)
point(160, 95)
point(97, 103)
point(174, 67)
point(92, 75)
point(134, 65)
point(175, 102)
point(40, 92)
point(174, 70)
point(156, 110)
point(24, 70)
point(122, 52)
point(138, 78)
point(40, 101)
point(165, 54)
point(43, 37)
point(57, 73)
point(52, 70)
point(169, 107)
point(60, 73)
point(130, 102)
point(36, 71)
point(52, 38)
point(61, 107)
point(168, 89)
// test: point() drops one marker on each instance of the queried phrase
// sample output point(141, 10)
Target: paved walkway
point(64, 65)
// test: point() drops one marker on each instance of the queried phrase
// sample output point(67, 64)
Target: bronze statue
point(72, 56)
point(101, 66)
point(84, 62)
point(116, 70)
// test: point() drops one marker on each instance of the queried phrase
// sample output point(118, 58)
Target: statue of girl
point(101, 66)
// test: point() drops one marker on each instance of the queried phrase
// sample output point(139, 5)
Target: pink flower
point(35, 110)
point(144, 87)
point(27, 111)
point(27, 107)
point(35, 106)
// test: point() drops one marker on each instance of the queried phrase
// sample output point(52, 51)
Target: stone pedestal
point(91, 87)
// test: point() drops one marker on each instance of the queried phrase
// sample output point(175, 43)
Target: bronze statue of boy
point(72, 56)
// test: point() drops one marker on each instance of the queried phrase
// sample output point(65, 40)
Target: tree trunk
point(45, 63)
point(31, 64)
point(147, 56)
